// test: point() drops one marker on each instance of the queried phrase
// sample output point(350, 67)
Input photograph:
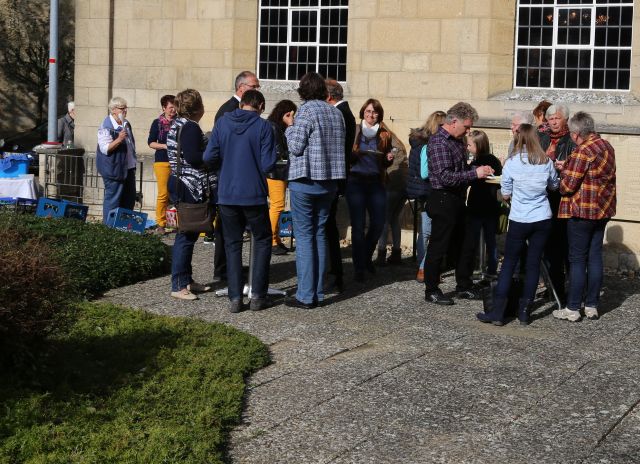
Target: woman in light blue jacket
point(526, 176)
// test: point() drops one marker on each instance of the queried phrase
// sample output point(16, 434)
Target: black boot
point(496, 315)
point(523, 311)
point(381, 259)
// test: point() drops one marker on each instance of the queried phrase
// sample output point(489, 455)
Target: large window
point(298, 36)
point(574, 44)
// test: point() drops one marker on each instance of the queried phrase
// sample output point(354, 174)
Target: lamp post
point(52, 126)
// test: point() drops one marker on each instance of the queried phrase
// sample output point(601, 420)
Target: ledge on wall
point(531, 97)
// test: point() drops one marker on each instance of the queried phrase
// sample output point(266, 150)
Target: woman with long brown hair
point(371, 156)
point(527, 174)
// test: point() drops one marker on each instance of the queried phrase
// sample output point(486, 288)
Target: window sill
point(582, 97)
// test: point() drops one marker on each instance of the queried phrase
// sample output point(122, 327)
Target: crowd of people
point(558, 178)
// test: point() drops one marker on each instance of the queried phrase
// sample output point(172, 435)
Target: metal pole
point(52, 133)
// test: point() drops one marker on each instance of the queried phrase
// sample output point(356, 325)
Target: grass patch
point(126, 386)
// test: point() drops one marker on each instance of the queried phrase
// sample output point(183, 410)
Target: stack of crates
point(57, 209)
point(18, 205)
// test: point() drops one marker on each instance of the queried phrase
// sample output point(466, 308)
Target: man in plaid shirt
point(450, 175)
point(588, 189)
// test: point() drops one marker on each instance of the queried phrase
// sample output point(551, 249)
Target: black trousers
point(333, 241)
point(448, 239)
point(219, 254)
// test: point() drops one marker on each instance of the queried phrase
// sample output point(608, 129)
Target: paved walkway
point(379, 376)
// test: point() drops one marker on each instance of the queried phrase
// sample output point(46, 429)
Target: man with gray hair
point(116, 158)
point(246, 80)
point(588, 189)
point(66, 125)
point(450, 175)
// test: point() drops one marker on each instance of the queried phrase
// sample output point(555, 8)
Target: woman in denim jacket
point(526, 176)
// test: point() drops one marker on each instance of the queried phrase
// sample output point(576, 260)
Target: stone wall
point(416, 56)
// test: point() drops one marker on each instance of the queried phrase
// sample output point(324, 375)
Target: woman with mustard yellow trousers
point(158, 141)
point(281, 117)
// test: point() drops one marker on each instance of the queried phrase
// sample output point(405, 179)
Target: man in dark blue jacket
point(242, 150)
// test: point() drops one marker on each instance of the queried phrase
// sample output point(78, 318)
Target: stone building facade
point(416, 56)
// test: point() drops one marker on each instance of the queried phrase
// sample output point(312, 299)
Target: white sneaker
point(591, 313)
point(184, 294)
point(567, 314)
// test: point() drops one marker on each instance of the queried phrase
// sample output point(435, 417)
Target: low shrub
point(34, 295)
point(94, 257)
point(127, 386)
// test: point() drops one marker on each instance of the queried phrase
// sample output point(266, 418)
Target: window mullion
point(556, 19)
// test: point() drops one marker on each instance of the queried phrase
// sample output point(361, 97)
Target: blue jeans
point(585, 261)
point(532, 235)
point(395, 203)
point(310, 213)
point(234, 221)
point(365, 197)
point(423, 238)
point(119, 194)
point(489, 225)
point(182, 253)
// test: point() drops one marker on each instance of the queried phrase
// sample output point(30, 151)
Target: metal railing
point(74, 177)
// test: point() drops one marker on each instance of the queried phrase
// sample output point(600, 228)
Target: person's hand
point(392, 154)
point(288, 118)
point(559, 165)
point(506, 198)
point(121, 136)
point(484, 171)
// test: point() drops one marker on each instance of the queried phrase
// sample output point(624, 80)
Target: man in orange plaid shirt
point(588, 189)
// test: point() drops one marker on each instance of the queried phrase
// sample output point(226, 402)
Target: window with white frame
point(574, 44)
point(298, 36)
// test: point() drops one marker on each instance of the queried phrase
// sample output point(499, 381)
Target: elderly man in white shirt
point(116, 158)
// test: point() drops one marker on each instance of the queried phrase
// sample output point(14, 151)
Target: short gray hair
point(582, 124)
point(242, 78)
point(524, 117)
point(71, 106)
point(115, 102)
point(461, 111)
point(558, 108)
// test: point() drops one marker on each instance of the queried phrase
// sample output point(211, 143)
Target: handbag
point(193, 217)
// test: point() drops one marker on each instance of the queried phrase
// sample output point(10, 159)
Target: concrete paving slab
point(378, 375)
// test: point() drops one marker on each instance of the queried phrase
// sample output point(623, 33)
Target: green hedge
point(94, 257)
point(124, 386)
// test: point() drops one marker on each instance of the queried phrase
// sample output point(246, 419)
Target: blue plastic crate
point(19, 205)
point(63, 208)
point(127, 220)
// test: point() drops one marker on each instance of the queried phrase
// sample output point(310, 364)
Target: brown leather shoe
point(420, 276)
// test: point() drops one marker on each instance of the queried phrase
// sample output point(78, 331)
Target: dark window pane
point(545, 78)
point(598, 59)
point(625, 59)
point(623, 80)
point(583, 79)
point(598, 79)
point(521, 77)
point(559, 78)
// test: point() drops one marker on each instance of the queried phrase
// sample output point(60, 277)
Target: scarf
point(555, 137)
point(164, 125)
point(369, 132)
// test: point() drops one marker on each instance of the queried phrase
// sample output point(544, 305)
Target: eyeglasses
point(253, 86)
point(370, 112)
point(123, 108)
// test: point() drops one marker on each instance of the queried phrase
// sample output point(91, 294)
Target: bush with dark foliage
point(95, 257)
point(34, 294)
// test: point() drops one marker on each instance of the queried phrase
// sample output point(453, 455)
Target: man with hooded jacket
point(242, 150)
